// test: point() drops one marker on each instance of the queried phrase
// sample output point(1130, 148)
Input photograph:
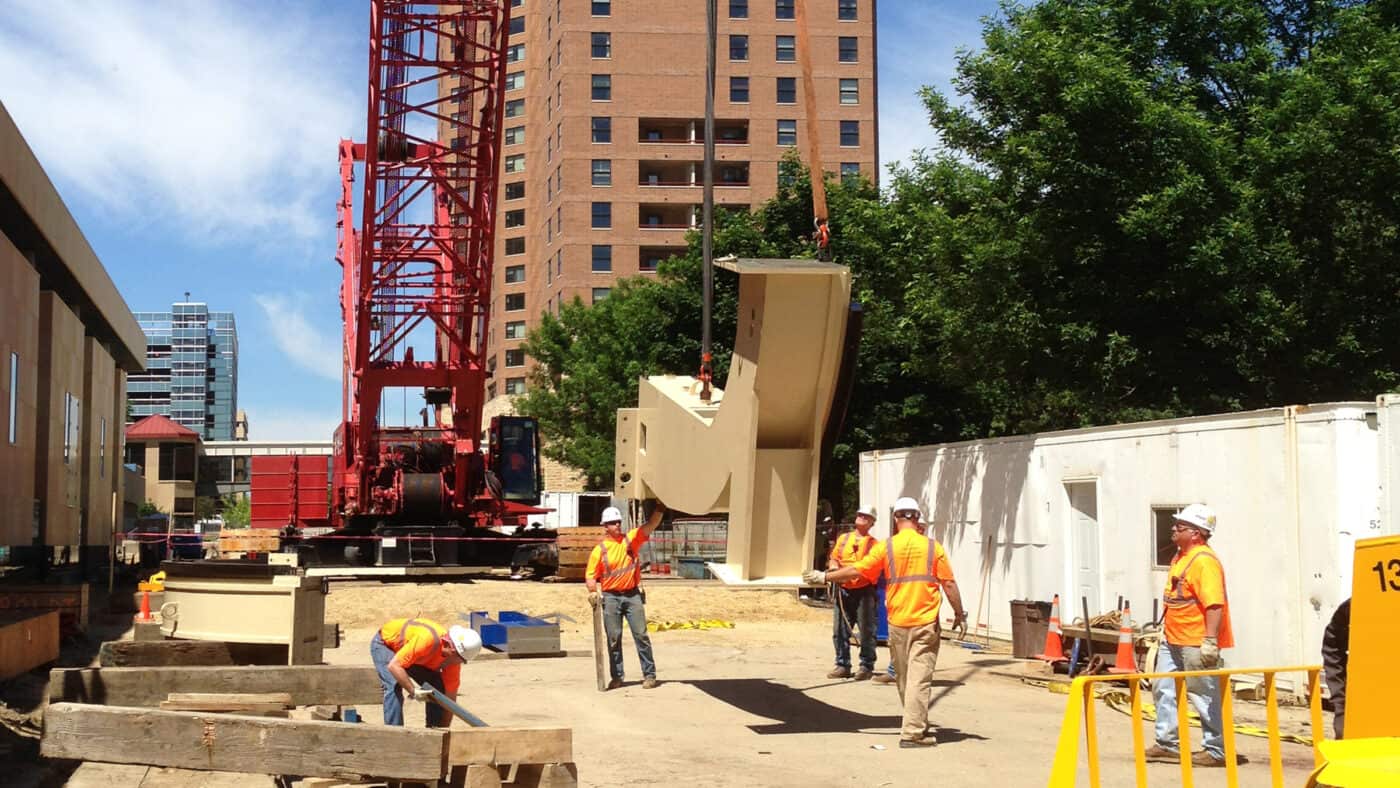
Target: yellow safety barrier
point(1080, 715)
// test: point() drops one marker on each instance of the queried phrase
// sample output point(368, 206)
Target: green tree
point(236, 511)
point(148, 508)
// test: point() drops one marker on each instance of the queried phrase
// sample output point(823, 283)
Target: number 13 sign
point(1371, 661)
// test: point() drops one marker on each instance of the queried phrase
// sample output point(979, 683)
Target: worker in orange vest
point(614, 580)
point(1195, 627)
point(917, 576)
point(410, 652)
point(854, 601)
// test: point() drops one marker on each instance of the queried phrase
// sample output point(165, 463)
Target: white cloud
point(306, 345)
point(224, 122)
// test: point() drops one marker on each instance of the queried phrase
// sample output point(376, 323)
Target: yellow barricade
point(1080, 715)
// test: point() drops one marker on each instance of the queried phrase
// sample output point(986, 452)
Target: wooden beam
point(493, 746)
point(231, 702)
point(122, 775)
point(308, 685)
point(217, 742)
point(160, 653)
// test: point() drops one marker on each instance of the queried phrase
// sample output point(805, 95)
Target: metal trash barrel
point(1030, 619)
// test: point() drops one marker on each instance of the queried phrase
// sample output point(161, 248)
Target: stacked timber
point(237, 542)
point(575, 545)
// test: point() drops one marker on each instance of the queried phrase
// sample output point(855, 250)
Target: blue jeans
point(627, 604)
point(1202, 693)
point(382, 655)
point(856, 607)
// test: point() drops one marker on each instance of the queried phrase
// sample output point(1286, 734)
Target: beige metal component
point(753, 451)
point(285, 609)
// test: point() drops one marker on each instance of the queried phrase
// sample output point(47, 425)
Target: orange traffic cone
point(1126, 661)
point(1054, 642)
point(145, 607)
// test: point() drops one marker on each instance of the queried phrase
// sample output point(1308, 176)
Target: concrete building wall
point(174, 497)
point(101, 428)
point(19, 346)
point(59, 456)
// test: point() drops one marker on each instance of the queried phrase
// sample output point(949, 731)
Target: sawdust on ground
point(363, 606)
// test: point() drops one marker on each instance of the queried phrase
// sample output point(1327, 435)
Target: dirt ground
point(751, 705)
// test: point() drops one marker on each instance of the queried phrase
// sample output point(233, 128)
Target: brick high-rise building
point(604, 130)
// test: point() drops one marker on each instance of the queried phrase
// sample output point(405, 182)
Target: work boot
point(883, 678)
point(1159, 754)
point(615, 684)
point(1203, 758)
point(927, 741)
point(839, 673)
point(650, 683)
point(863, 674)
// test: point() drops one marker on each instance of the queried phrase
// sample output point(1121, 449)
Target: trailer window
point(1163, 549)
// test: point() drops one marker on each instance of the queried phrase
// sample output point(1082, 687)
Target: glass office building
point(191, 369)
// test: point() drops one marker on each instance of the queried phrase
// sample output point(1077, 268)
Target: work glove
point(422, 693)
point(814, 577)
point(1210, 653)
point(593, 598)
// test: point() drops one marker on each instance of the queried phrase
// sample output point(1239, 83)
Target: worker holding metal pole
point(918, 575)
point(408, 652)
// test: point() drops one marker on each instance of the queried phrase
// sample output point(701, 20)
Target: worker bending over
point(1195, 626)
point(408, 652)
point(616, 571)
point(917, 575)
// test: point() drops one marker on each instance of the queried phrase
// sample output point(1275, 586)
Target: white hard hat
point(867, 511)
point(907, 504)
point(612, 515)
point(1197, 515)
point(465, 640)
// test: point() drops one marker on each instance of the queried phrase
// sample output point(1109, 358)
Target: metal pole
point(707, 230)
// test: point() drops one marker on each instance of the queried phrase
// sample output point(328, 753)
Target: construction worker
point(854, 600)
point(614, 578)
point(1336, 645)
point(409, 652)
point(917, 576)
point(1195, 627)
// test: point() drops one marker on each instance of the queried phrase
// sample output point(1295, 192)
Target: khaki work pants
point(914, 651)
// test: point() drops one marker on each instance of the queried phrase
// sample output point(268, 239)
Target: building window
point(847, 50)
point(515, 108)
point(738, 9)
point(517, 25)
point(515, 302)
point(738, 90)
point(72, 417)
point(515, 274)
point(787, 132)
point(515, 218)
point(14, 399)
point(602, 129)
point(516, 386)
point(515, 246)
point(850, 171)
point(1163, 549)
point(491, 391)
point(846, 10)
point(602, 172)
point(602, 45)
point(515, 135)
point(515, 357)
point(515, 191)
point(787, 90)
point(786, 50)
point(515, 80)
point(850, 133)
point(648, 261)
point(782, 9)
point(850, 91)
point(515, 53)
point(602, 258)
point(515, 162)
point(176, 462)
point(515, 329)
point(600, 293)
point(602, 7)
point(602, 87)
point(738, 47)
point(602, 215)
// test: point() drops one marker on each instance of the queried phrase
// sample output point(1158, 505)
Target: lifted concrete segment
point(753, 451)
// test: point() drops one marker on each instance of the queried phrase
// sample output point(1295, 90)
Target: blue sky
point(195, 144)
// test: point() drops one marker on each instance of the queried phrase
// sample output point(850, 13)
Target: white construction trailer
point(1087, 513)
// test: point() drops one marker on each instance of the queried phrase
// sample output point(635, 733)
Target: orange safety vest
point(918, 606)
point(396, 640)
point(867, 542)
point(1179, 603)
point(631, 566)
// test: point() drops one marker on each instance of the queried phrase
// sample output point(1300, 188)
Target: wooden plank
point(493, 746)
point(27, 641)
point(600, 647)
point(107, 775)
point(71, 602)
point(337, 685)
point(184, 778)
point(218, 742)
point(235, 702)
point(160, 653)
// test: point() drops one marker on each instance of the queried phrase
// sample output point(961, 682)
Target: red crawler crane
point(421, 265)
